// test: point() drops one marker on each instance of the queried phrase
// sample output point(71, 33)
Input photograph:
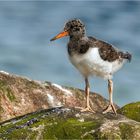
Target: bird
point(93, 57)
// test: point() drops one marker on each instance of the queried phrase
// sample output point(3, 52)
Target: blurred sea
point(27, 27)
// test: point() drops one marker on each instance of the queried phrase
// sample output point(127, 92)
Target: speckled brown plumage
point(107, 51)
point(79, 47)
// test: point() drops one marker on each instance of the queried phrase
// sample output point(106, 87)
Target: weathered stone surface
point(49, 111)
point(19, 96)
point(69, 123)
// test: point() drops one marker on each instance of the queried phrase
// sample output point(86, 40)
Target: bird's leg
point(88, 108)
point(110, 106)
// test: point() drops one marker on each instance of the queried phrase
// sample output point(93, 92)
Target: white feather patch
point(91, 63)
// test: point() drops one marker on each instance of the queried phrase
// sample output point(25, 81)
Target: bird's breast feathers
point(91, 63)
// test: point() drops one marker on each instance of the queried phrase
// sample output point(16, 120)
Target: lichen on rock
point(65, 123)
point(20, 95)
point(42, 110)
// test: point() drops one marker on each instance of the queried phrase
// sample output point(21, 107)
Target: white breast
point(91, 63)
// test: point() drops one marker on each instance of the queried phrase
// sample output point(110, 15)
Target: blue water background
point(27, 27)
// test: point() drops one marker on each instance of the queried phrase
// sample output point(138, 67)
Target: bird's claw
point(88, 109)
point(109, 108)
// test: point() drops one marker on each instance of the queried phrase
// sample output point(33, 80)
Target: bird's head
point(73, 28)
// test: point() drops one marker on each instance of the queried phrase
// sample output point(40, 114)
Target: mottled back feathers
point(107, 51)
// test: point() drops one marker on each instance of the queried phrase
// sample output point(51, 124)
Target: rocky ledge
point(49, 111)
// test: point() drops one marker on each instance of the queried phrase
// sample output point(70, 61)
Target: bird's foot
point(109, 108)
point(88, 109)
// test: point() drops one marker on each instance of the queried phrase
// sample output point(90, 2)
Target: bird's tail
point(126, 55)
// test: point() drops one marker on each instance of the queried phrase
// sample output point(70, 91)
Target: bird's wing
point(107, 51)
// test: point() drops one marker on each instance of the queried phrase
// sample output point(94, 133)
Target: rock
point(20, 95)
point(43, 110)
point(131, 110)
point(69, 123)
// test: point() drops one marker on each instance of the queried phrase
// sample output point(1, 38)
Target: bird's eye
point(76, 29)
point(71, 26)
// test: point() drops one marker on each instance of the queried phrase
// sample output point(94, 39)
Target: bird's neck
point(76, 38)
point(75, 45)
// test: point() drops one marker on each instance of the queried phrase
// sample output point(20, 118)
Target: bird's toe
point(88, 109)
point(110, 108)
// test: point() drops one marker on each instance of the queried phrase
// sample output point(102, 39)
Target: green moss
point(51, 125)
point(5, 89)
point(17, 121)
point(131, 110)
point(10, 95)
point(126, 131)
point(108, 136)
point(31, 84)
point(47, 84)
point(20, 134)
point(69, 129)
point(1, 111)
point(78, 93)
point(54, 127)
point(3, 86)
point(65, 128)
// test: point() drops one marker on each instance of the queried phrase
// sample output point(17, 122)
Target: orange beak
point(60, 35)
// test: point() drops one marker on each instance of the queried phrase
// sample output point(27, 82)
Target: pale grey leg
point(87, 88)
point(110, 106)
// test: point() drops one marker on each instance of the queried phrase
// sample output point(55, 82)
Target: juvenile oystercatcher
point(92, 57)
